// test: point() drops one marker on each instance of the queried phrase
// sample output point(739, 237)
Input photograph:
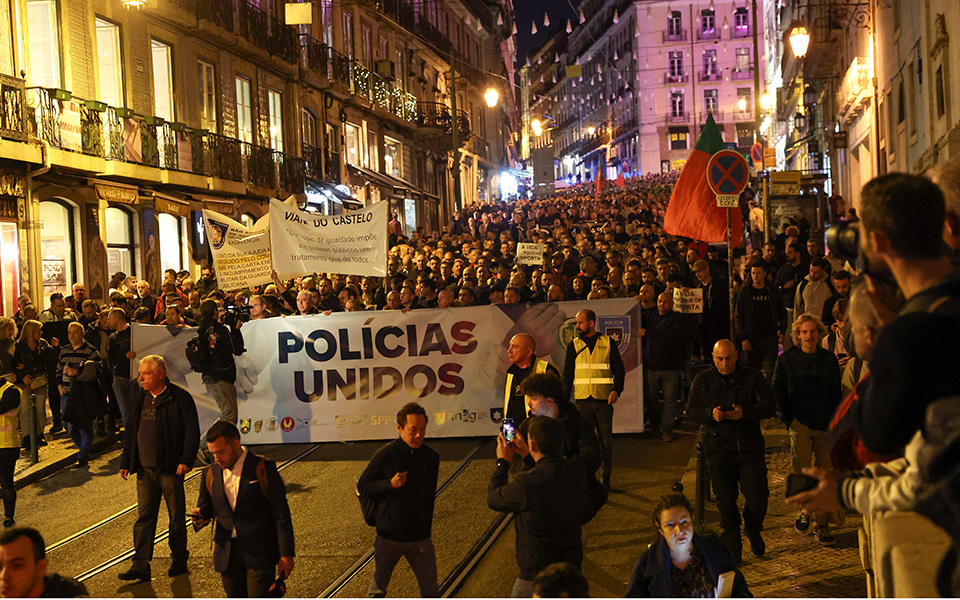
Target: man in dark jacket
point(549, 501)
point(23, 563)
point(761, 321)
point(665, 338)
point(715, 324)
point(729, 401)
point(221, 344)
point(402, 478)
point(253, 540)
point(160, 445)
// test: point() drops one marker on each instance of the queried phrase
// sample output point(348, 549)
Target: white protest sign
point(529, 254)
point(241, 255)
point(344, 376)
point(688, 300)
point(354, 242)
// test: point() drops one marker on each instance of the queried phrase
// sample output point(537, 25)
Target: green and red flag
point(693, 210)
point(600, 179)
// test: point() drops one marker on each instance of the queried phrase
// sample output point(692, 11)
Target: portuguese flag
point(693, 210)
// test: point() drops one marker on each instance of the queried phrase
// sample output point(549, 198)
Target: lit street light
point(591, 130)
point(766, 102)
point(537, 127)
point(742, 104)
point(799, 40)
point(492, 97)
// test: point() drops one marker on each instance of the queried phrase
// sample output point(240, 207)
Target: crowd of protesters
point(804, 342)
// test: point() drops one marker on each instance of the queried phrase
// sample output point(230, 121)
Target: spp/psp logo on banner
point(218, 233)
point(618, 328)
point(287, 424)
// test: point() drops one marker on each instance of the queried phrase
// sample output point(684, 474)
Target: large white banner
point(241, 255)
point(354, 242)
point(344, 376)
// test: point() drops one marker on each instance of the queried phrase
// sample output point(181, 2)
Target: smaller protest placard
point(241, 255)
point(529, 254)
point(688, 300)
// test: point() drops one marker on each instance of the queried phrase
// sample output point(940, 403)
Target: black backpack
point(198, 354)
point(369, 507)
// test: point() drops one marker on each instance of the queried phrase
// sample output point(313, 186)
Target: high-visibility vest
point(9, 423)
point(592, 376)
point(539, 366)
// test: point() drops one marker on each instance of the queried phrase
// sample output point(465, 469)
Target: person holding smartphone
point(729, 401)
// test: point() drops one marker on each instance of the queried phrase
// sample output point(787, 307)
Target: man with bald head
point(522, 353)
point(729, 401)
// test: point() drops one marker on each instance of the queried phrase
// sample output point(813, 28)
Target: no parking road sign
point(727, 175)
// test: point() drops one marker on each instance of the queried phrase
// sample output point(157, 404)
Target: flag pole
point(730, 269)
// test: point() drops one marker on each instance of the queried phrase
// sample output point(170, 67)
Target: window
point(674, 24)
point(275, 107)
point(247, 220)
point(941, 98)
point(384, 53)
point(710, 100)
point(901, 104)
point(678, 140)
point(326, 21)
point(244, 111)
point(676, 64)
point(44, 33)
point(432, 12)
point(348, 34)
point(743, 59)
point(58, 248)
point(308, 127)
point(351, 140)
point(745, 95)
point(401, 73)
point(393, 157)
point(676, 104)
point(366, 43)
point(445, 23)
point(162, 57)
point(741, 23)
point(744, 136)
point(709, 62)
point(373, 160)
point(109, 63)
point(708, 22)
point(207, 82)
point(120, 246)
point(171, 241)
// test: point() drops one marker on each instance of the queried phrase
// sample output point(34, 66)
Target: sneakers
point(178, 568)
point(824, 536)
point(8, 523)
point(802, 523)
point(757, 545)
point(135, 574)
point(57, 428)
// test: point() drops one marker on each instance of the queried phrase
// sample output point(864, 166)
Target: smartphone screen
point(508, 429)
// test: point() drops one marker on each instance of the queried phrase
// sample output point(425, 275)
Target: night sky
point(529, 11)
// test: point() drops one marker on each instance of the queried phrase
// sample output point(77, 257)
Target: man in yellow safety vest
point(594, 373)
point(524, 361)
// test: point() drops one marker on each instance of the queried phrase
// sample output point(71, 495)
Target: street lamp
point(766, 102)
point(492, 97)
point(809, 96)
point(742, 104)
point(800, 121)
point(799, 40)
point(537, 127)
point(591, 130)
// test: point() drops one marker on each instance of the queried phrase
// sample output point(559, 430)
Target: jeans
point(123, 389)
point(241, 582)
point(763, 355)
point(151, 486)
point(600, 415)
point(420, 555)
point(8, 463)
point(226, 396)
point(81, 432)
point(669, 382)
point(808, 448)
point(733, 474)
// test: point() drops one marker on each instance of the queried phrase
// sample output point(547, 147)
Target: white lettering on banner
point(350, 243)
point(529, 254)
point(241, 255)
point(688, 300)
point(344, 376)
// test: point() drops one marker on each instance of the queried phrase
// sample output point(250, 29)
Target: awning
point(395, 186)
point(332, 190)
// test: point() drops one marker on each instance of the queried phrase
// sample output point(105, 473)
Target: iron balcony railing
point(249, 21)
point(13, 108)
point(437, 115)
point(90, 127)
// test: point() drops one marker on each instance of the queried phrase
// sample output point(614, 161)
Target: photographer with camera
point(219, 343)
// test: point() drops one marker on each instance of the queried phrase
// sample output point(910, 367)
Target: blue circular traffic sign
point(756, 153)
point(727, 172)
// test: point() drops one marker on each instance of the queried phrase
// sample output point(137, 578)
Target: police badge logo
point(496, 415)
point(272, 424)
point(618, 328)
point(244, 426)
point(439, 418)
point(218, 233)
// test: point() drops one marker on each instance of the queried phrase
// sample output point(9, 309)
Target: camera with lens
point(234, 313)
point(843, 240)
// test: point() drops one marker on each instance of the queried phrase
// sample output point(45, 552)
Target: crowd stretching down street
point(857, 355)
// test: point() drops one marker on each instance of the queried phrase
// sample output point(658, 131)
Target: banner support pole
point(730, 268)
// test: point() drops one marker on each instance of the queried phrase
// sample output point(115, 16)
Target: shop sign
point(70, 137)
point(113, 193)
point(224, 208)
point(11, 185)
point(171, 207)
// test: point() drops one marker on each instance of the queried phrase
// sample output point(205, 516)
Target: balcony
point(744, 115)
point(855, 89)
point(676, 78)
point(13, 104)
point(718, 115)
point(435, 115)
point(739, 33)
point(742, 74)
point(709, 76)
point(315, 56)
point(625, 128)
point(92, 128)
point(677, 117)
point(247, 20)
point(708, 34)
point(680, 36)
point(312, 161)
